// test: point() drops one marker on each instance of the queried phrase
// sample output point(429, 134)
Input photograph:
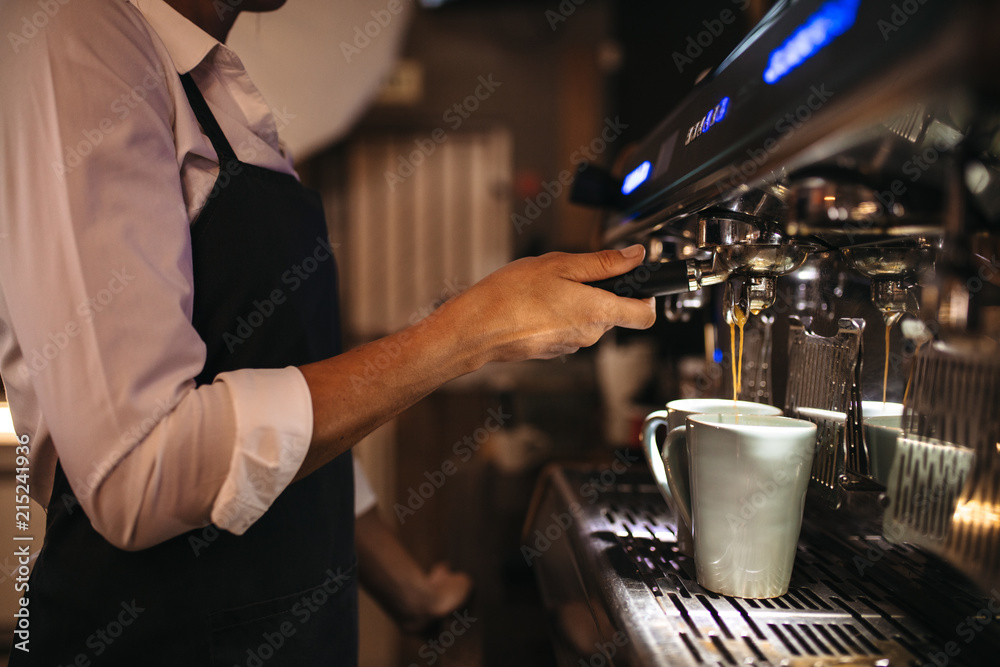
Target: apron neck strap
point(207, 119)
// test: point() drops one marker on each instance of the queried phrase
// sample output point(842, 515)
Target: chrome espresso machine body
point(838, 177)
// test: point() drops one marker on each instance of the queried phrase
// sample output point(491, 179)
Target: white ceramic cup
point(881, 435)
point(747, 478)
point(879, 409)
point(882, 424)
point(675, 414)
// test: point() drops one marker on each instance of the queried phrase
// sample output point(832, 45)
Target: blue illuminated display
point(831, 20)
point(717, 356)
point(714, 115)
point(720, 111)
point(636, 177)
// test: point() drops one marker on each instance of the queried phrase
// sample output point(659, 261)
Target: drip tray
point(620, 593)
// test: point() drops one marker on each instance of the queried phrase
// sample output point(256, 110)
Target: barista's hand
point(537, 308)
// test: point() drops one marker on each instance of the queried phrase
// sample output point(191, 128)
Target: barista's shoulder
point(46, 35)
point(59, 26)
point(100, 19)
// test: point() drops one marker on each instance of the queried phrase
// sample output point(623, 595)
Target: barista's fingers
point(600, 311)
point(634, 313)
point(536, 307)
point(588, 267)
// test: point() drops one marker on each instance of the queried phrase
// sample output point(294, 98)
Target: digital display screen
point(636, 177)
point(831, 20)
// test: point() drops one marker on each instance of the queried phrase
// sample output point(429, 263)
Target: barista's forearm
point(356, 392)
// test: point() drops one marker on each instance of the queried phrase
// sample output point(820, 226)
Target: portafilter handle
point(659, 278)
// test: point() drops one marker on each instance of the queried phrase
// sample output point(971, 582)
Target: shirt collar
point(186, 43)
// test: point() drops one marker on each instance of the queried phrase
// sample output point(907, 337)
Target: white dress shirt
point(103, 167)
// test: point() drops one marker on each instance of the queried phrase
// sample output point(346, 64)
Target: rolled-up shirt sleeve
point(97, 297)
point(272, 432)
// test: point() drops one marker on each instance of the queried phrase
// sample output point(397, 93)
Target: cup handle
point(675, 464)
point(651, 448)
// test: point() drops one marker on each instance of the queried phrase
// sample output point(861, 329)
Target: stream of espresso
point(732, 357)
point(739, 319)
point(913, 365)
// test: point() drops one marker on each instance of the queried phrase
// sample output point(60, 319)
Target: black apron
point(285, 592)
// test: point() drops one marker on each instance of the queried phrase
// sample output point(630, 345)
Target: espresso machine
point(837, 178)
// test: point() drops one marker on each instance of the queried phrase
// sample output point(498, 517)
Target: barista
point(197, 475)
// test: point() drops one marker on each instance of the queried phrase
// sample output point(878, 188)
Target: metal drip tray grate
point(852, 601)
point(826, 613)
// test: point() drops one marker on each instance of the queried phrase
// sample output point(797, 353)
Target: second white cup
point(748, 476)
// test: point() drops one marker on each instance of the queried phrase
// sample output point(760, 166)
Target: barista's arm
point(534, 308)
